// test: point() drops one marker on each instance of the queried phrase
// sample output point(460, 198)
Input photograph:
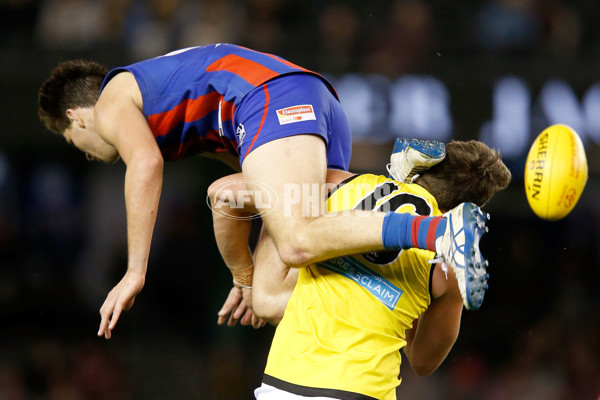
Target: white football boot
point(412, 156)
point(459, 248)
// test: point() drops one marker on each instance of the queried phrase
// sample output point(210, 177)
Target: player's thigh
point(293, 105)
point(293, 171)
point(289, 130)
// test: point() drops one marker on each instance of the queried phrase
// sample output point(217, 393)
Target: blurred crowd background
point(495, 70)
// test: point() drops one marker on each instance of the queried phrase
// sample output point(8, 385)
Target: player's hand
point(235, 309)
point(119, 299)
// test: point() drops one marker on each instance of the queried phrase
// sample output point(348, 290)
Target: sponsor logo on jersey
point(299, 113)
point(378, 286)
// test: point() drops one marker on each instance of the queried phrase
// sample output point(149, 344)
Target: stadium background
point(496, 69)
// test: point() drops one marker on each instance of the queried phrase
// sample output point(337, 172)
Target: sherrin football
point(555, 172)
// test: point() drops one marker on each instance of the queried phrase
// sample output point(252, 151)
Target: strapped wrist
point(243, 278)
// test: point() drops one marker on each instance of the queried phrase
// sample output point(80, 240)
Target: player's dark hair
point(71, 84)
point(471, 172)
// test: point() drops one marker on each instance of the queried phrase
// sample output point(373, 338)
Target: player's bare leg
point(302, 239)
point(284, 166)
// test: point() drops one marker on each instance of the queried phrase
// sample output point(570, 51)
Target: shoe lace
point(391, 173)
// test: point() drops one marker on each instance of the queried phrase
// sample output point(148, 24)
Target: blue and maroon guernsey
point(182, 92)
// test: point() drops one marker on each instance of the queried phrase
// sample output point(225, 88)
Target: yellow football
point(555, 172)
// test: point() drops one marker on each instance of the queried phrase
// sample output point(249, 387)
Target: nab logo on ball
point(555, 172)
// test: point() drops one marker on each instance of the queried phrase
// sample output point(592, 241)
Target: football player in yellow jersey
point(348, 317)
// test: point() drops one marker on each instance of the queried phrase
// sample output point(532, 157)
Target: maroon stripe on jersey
point(251, 71)
point(188, 110)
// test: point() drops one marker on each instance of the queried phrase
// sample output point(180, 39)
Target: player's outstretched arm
point(120, 122)
point(435, 332)
point(231, 213)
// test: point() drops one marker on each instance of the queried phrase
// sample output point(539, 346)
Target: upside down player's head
point(470, 172)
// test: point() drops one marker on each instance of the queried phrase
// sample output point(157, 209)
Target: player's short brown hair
point(470, 172)
point(72, 84)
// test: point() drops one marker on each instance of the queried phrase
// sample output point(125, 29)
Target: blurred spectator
point(265, 30)
point(339, 30)
point(155, 27)
point(151, 27)
point(218, 21)
point(562, 28)
point(508, 25)
point(115, 12)
point(400, 43)
point(72, 24)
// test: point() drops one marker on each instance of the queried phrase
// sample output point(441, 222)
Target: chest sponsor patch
point(292, 114)
point(378, 286)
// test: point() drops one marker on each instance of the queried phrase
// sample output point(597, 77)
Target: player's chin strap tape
point(243, 278)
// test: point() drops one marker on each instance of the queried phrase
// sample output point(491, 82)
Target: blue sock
point(405, 231)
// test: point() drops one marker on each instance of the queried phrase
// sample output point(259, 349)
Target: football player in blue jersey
point(282, 124)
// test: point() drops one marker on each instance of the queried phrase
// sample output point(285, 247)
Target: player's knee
point(294, 251)
point(293, 256)
point(218, 188)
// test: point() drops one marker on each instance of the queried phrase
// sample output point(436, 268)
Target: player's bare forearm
point(232, 225)
point(409, 336)
point(232, 220)
point(143, 185)
point(120, 121)
point(232, 240)
point(437, 329)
